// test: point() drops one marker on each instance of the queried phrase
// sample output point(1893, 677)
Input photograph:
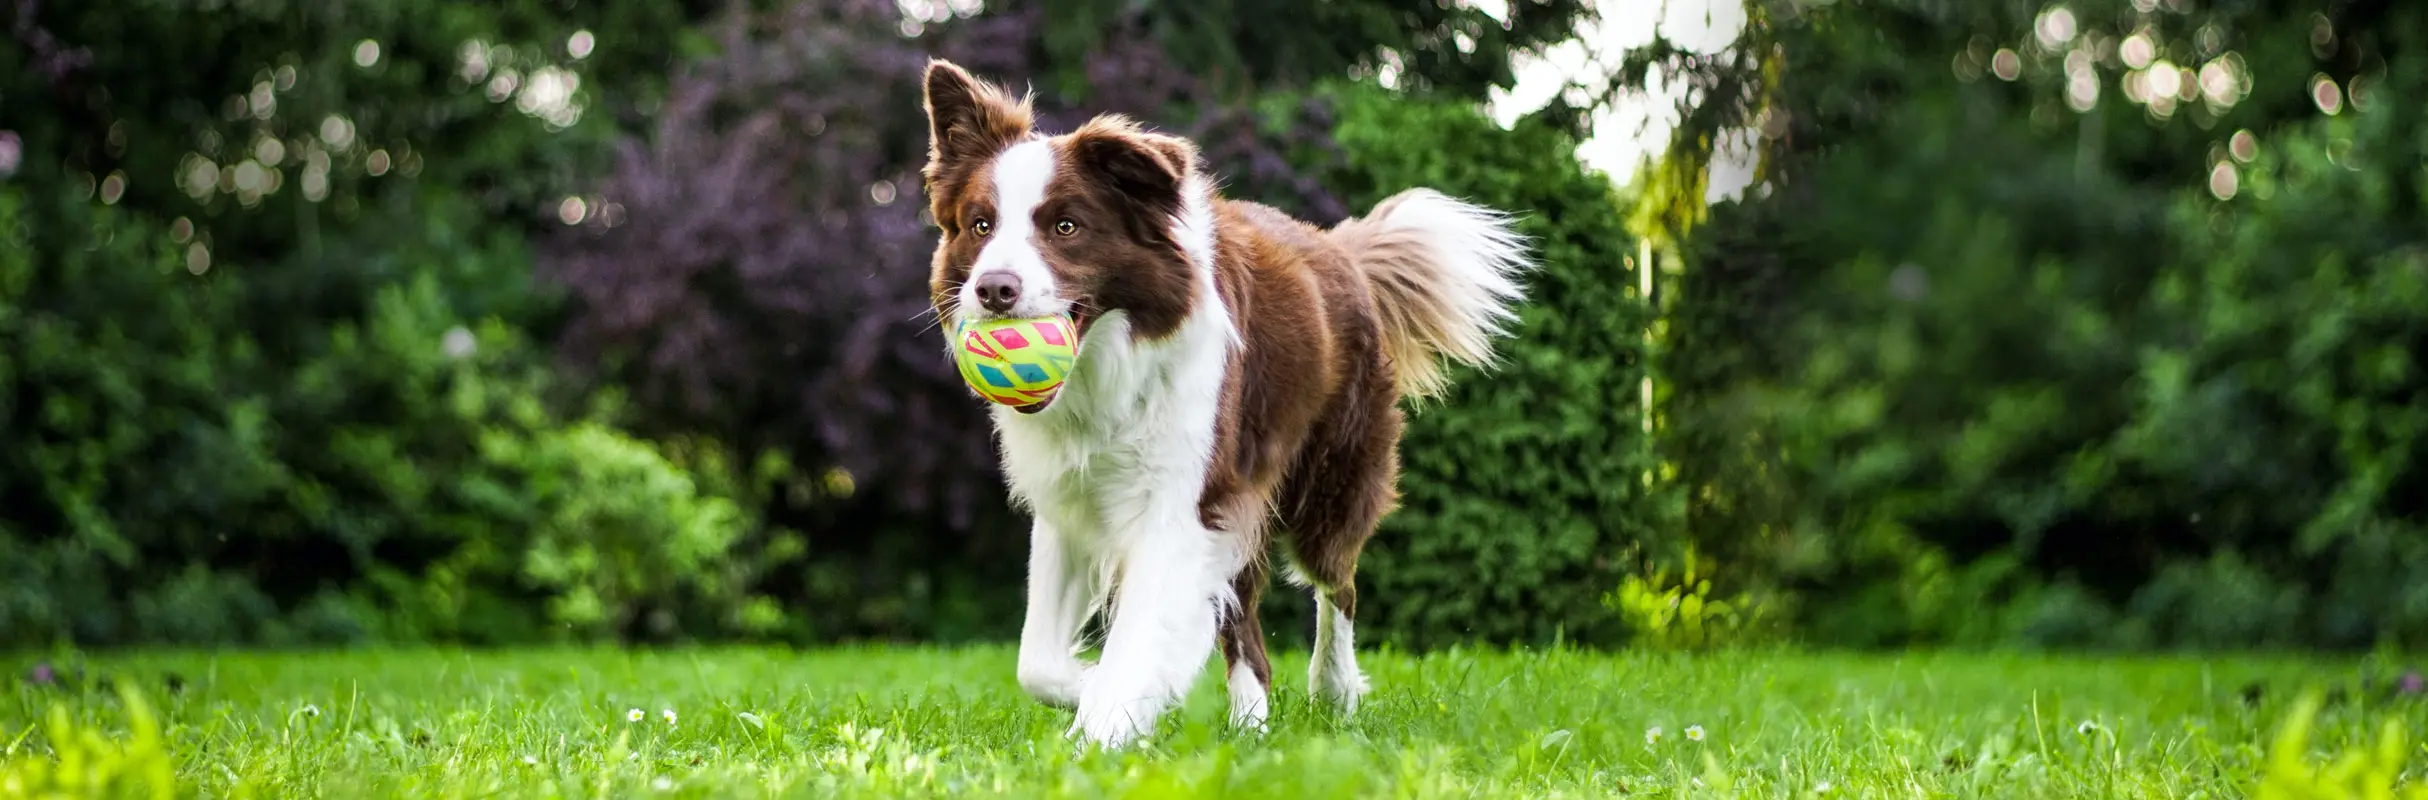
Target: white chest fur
point(1113, 470)
point(1132, 431)
point(1134, 427)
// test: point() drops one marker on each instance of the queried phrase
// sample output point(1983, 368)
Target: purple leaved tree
point(755, 268)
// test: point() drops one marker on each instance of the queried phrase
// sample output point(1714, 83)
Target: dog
point(1237, 367)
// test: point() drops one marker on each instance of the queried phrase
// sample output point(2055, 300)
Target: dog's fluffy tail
point(1444, 275)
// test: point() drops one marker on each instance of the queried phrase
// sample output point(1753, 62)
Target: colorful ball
point(1019, 362)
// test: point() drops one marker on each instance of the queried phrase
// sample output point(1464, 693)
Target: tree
point(1944, 357)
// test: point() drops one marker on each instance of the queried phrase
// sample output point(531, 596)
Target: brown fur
point(1119, 179)
point(1423, 322)
point(1309, 427)
point(1309, 424)
point(1126, 186)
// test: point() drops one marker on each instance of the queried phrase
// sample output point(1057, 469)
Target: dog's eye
point(1066, 227)
point(981, 226)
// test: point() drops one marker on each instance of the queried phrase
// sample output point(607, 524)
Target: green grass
point(895, 722)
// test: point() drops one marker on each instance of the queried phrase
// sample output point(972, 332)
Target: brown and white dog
point(1236, 367)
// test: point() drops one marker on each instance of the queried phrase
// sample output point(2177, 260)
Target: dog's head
point(1086, 223)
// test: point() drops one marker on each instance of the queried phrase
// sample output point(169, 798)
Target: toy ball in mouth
point(1016, 362)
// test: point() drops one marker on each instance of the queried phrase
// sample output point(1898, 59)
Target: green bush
point(1973, 365)
point(1686, 615)
point(75, 757)
point(2364, 769)
point(171, 480)
point(1524, 487)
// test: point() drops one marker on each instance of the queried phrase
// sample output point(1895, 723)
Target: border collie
point(1237, 368)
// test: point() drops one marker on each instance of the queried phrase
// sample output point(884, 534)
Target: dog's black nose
point(998, 291)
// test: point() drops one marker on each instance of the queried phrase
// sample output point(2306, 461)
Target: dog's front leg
point(1061, 592)
point(1164, 613)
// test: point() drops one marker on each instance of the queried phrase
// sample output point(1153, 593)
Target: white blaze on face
point(1021, 175)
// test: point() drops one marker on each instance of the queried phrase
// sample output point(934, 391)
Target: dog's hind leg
point(1343, 484)
point(1332, 672)
point(1248, 674)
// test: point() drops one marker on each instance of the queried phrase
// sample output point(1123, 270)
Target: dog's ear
point(968, 118)
point(1146, 168)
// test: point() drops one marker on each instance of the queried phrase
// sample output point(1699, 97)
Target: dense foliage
point(272, 283)
point(2084, 324)
point(172, 479)
point(2093, 323)
point(759, 271)
point(265, 308)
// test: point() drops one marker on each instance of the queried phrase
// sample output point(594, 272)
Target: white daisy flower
point(634, 715)
point(2087, 728)
point(669, 715)
point(1694, 733)
point(1652, 735)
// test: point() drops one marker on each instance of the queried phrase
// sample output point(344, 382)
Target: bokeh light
point(503, 84)
point(2082, 80)
point(2164, 80)
point(2224, 181)
point(199, 176)
point(2055, 27)
point(2326, 94)
point(316, 176)
point(337, 132)
point(551, 96)
point(249, 176)
point(2137, 50)
point(472, 61)
point(263, 102)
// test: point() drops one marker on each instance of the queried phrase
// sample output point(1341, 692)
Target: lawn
point(910, 721)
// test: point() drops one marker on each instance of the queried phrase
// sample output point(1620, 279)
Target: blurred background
point(2090, 324)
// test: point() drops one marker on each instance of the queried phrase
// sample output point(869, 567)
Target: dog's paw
point(1113, 720)
point(1249, 705)
point(1342, 687)
point(1110, 730)
point(1057, 685)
